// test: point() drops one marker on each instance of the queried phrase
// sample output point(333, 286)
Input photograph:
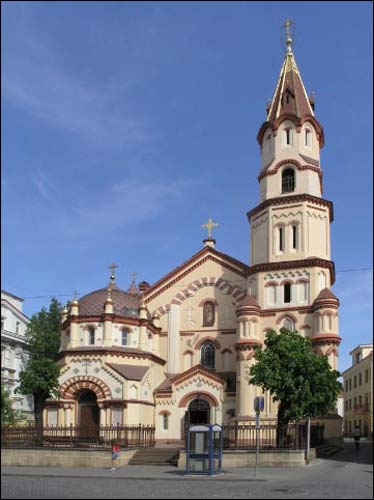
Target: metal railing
point(271, 436)
point(127, 436)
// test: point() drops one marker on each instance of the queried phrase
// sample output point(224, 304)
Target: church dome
point(124, 303)
point(326, 295)
point(248, 301)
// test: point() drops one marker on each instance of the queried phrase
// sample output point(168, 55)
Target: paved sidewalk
point(137, 472)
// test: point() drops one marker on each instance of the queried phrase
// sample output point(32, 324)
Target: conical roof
point(326, 294)
point(124, 303)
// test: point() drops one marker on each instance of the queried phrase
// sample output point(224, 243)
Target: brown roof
point(248, 300)
point(326, 294)
point(130, 372)
point(124, 303)
point(290, 95)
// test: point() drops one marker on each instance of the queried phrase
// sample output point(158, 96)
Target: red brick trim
point(284, 200)
point(286, 281)
point(193, 371)
point(302, 280)
point(294, 163)
point(188, 351)
point(293, 264)
point(164, 412)
point(202, 302)
point(99, 352)
point(226, 350)
point(271, 283)
point(202, 341)
point(193, 395)
point(298, 122)
point(326, 339)
point(286, 315)
point(75, 384)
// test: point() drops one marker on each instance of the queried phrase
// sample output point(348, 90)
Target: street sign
point(258, 404)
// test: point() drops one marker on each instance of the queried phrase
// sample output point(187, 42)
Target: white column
point(173, 339)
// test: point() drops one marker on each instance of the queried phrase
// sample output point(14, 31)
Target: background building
point(14, 352)
point(358, 391)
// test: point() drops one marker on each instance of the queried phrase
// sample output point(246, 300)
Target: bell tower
point(291, 271)
point(292, 220)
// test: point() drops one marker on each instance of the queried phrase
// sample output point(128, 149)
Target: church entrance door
point(88, 414)
point(198, 412)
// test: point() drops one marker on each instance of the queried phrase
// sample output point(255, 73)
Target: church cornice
point(116, 351)
point(284, 200)
point(293, 264)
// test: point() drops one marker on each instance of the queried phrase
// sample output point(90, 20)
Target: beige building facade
point(180, 351)
point(358, 391)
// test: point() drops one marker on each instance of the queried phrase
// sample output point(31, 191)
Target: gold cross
point(287, 24)
point(209, 225)
point(133, 277)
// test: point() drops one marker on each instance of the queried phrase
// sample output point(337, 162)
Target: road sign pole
point(257, 438)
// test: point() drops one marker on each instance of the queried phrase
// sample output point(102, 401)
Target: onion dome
point(124, 303)
point(326, 298)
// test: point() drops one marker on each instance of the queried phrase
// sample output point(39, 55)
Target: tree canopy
point(40, 376)
point(301, 381)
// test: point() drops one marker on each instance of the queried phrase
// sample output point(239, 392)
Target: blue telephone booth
point(204, 449)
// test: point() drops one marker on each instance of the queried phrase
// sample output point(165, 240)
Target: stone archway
point(198, 411)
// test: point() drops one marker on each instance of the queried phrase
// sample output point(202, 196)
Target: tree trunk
point(281, 428)
point(38, 414)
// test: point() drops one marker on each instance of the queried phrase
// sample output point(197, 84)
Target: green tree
point(40, 376)
point(301, 381)
point(8, 414)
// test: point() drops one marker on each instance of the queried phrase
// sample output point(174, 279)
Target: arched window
point(288, 323)
point(287, 137)
point(308, 138)
point(125, 336)
point(208, 355)
point(287, 293)
point(165, 421)
point(91, 336)
point(288, 180)
point(208, 314)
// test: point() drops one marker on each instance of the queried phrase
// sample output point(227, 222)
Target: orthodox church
point(179, 351)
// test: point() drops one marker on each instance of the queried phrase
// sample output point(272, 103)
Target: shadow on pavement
point(364, 455)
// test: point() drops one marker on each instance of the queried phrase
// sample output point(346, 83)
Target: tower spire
point(287, 25)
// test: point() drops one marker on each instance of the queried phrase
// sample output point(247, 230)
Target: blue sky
point(125, 125)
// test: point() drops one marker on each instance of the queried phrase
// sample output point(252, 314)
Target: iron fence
point(291, 436)
point(127, 436)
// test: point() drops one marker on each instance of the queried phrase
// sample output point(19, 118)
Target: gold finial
point(133, 277)
point(75, 299)
point(209, 226)
point(113, 276)
point(287, 24)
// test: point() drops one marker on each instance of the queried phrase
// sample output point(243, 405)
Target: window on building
point(358, 357)
point(208, 314)
point(287, 137)
point(208, 355)
point(289, 324)
point(17, 327)
point(346, 405)
point(346, 386)
point(350, 404)
point(281, 238)
point(366, 408)
point(294, 236)
point(360, 378)
point(165, 422)
point(355, 381)
point(359, 401)
point(91, 336)
point(366, 376)
point(308, 138)
point(288, 180)
point(350, 384)
point(125, 336)
point(355, 402)
point(287, 293)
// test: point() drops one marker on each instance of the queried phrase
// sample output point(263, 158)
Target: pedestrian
point(356, 436)
point(115, 454)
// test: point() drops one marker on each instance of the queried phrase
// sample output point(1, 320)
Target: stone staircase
point(327, 450)
point(156, 456)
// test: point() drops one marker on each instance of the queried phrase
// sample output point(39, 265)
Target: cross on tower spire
point(287, 25)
